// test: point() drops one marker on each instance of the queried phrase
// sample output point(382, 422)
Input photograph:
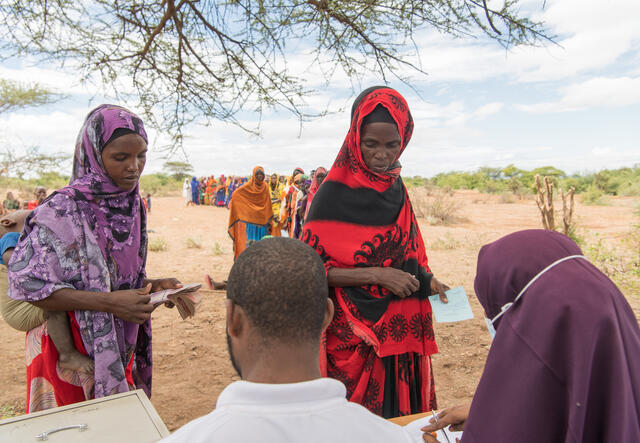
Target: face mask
point(505, 307)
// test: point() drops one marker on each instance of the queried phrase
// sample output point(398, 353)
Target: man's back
point(312, 411)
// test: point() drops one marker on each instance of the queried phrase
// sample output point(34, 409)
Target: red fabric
point(47, 386)
point(32, 205)
point(313, 189)
point(354, 347)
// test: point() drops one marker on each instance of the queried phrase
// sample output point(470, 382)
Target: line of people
point(208, 191)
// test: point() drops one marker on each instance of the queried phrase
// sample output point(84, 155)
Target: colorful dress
point(276, 202)
point(250, 213)
point(221, 192)
point(90, 236)
point(378, 344)
point(209, 193)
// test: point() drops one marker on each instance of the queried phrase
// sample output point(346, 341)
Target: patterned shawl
point(359, 218)
point(91, 236)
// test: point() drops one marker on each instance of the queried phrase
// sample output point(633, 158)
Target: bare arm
point(130, 305)
point(340, 277)
point(397, 281)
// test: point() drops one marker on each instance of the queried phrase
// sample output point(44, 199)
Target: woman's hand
point(397, 281)
point(131, 304)
point(438, 287)
point(454, 417)
point(164, 283)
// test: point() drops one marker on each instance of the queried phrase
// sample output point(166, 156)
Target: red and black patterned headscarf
point(360, 218)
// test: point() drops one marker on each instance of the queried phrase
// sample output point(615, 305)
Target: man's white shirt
point(312, 411)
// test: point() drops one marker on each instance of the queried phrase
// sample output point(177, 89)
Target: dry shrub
point(438, 208)
point(194, 243)
point(447, 242)
point(158, 245)
point(507, 198)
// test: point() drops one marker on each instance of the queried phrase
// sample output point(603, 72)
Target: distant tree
point(31, 162)
point(16, 95)
point(187, 59)
point(178, 170)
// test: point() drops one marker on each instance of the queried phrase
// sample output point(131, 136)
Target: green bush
point(160, 185)
point(593, 196)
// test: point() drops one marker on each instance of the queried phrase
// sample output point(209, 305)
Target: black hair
point(281, 284)
point(119, 132)
point(380, 114)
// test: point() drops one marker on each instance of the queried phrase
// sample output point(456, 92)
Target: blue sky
point(573, 106)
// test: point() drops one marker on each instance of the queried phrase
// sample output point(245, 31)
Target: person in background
point(10, 203)
point(361, 222)
point(195, 191)
point(273, 342)
point(148, 202)
point(210, 191)
point(186, 192)
point(304, 183)
point(221, 192)
point(39, 194)
point(564, 365)
point(83, 251)
point(287, 208)
point(317, 180)
point(275, 190)
point(233, 185)
point(250, 212)
point(25, 205)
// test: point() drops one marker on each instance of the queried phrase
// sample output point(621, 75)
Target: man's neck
point(276, 364)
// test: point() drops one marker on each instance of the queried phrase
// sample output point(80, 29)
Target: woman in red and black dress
point(361, 223)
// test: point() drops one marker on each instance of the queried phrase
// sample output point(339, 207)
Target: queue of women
point(564, 364)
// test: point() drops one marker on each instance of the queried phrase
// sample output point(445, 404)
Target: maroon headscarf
point(565, 362)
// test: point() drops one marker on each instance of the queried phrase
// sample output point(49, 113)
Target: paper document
point(186, 299)
point(457, 309)
point(443, 435)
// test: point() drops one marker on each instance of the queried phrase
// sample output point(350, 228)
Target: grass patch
point(8, 411)
point(217, 249)
point(158, 245)
point(620, 262)
point(194, 243)
point(446, 242)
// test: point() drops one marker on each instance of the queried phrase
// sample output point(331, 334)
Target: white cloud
point(600, 92)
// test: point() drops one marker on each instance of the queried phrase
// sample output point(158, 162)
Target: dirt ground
point(191, 366)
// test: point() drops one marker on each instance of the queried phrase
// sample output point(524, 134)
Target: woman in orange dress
point(250, 212)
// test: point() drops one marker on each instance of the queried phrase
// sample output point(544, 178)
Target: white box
point(121, 418)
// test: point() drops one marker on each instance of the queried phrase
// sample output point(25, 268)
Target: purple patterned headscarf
point(91, 235)
point(565, 362)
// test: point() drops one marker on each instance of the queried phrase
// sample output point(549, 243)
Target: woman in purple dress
point(84, 250)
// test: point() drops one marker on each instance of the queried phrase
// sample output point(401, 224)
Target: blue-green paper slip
point(457, 309)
